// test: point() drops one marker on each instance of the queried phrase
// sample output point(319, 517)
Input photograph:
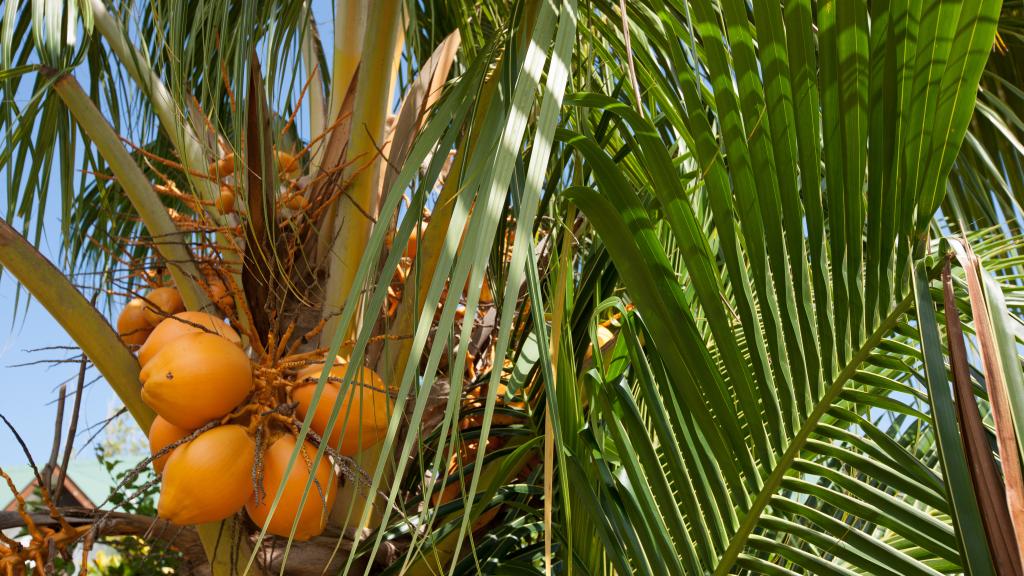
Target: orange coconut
point(196, 378)
point(216, 288)
point(131, 324)
point(161, 434)
point(226, 200)
point(413, 244)
point(181, 324)
point(313, 514)
point(367, 404)
point(296, 201)
point(411, 247)
point(485, 292)
point(219, 293)
point(414, 240)
point(208, 479)
point(486, 297)
point(167, 300)
point(222, 168)
point(287, 164)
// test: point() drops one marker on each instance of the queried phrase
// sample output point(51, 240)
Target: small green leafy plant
point(136, 556)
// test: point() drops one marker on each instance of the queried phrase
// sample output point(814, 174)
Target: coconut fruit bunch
point(226, 426)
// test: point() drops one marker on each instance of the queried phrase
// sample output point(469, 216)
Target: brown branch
point(58, 426)
point(183, 538)
point(72, 428)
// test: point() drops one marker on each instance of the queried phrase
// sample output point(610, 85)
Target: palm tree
point(715, 232)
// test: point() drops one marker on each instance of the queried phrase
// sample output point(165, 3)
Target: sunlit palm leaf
point(751, 220)
point(741, 479)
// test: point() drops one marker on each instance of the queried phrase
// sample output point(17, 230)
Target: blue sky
point(27, 393)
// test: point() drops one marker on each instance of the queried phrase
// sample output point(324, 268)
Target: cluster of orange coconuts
point(200, 382)
point(288, 167)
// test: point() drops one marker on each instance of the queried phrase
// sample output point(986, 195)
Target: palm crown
point(715, 233)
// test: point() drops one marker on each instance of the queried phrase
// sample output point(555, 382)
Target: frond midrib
point(797, 444)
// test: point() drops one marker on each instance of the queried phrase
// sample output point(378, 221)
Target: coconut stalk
point(80, 319)
point(349, 29)
point(167, 239)
point(355, 212)
point(317, 103)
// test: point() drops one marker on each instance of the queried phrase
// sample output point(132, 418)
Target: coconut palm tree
point(702, 245)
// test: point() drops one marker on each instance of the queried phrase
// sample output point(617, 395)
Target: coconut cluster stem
point(355, 213)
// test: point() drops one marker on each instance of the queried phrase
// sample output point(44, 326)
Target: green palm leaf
point(748, 196)
point(745, 480)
